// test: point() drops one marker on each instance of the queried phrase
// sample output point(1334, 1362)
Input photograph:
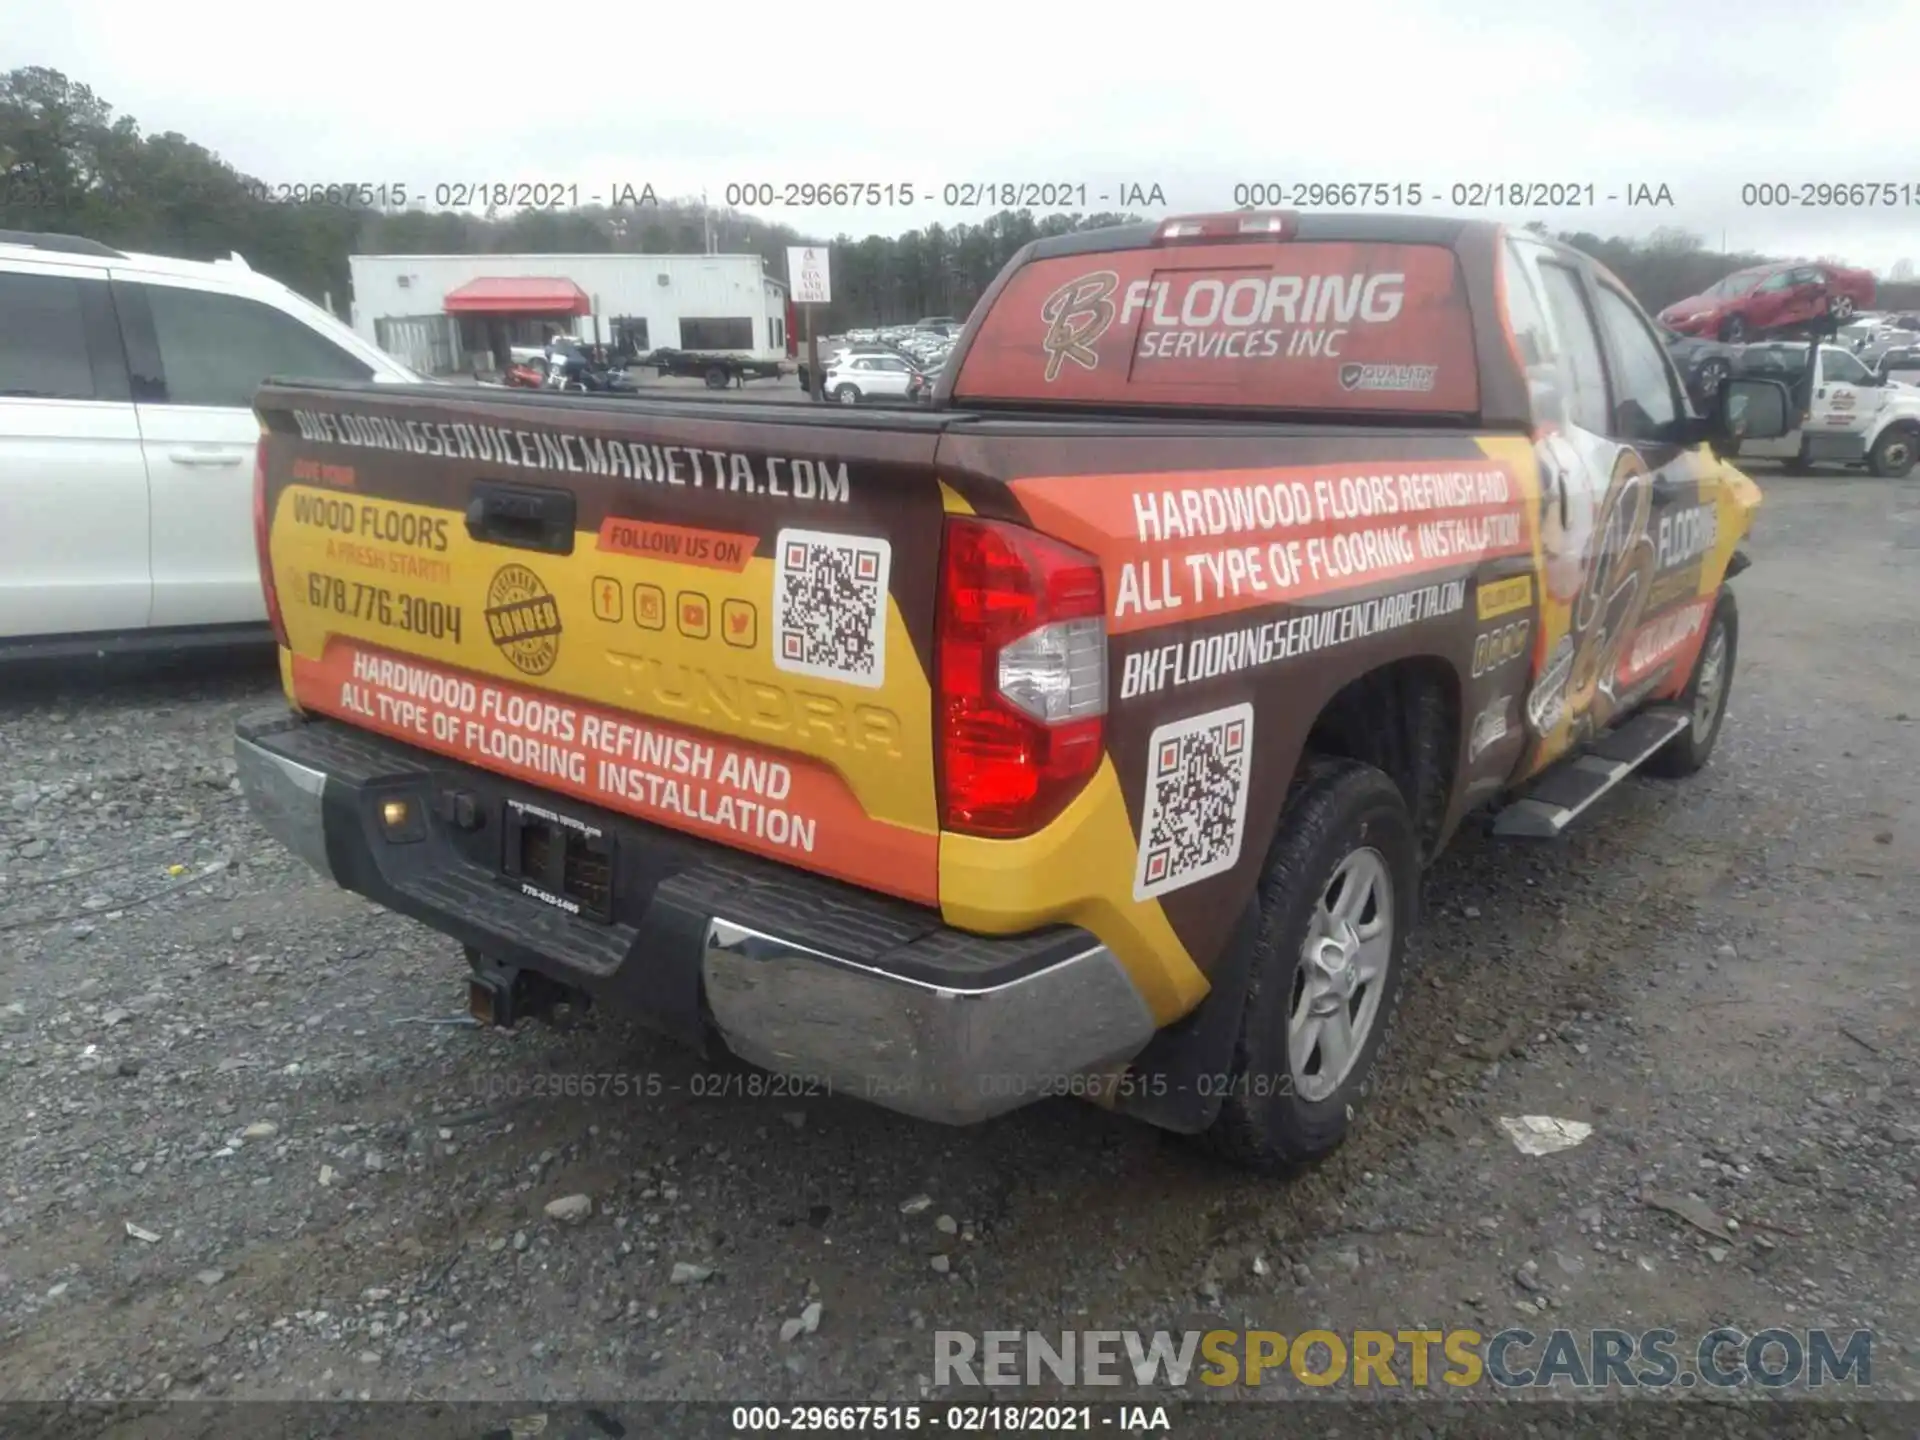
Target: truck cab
point(1845, 413)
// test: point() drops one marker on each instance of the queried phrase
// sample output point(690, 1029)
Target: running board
point(1559, 797)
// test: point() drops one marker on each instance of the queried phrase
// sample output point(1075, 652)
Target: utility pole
point(706, 219)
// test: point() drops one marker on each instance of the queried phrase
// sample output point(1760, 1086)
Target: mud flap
point(1180, 1080)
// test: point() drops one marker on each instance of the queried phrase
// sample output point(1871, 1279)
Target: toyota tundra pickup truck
point(1082, 733)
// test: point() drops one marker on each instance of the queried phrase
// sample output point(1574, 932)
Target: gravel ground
point(255, 1154)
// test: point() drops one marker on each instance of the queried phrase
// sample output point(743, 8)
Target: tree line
point(68, 164)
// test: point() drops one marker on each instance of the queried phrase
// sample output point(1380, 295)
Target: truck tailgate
point(720, 625)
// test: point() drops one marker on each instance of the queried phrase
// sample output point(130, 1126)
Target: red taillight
point(1232, 225)
point(262, 538)
point(1022, 665)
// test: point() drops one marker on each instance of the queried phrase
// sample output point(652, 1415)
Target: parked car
point(1704, 365)
point(859, 377)
point(127, 440)
point(1032, 796)
point(1763, 298)
point(1866, 334)
point(1898, 363)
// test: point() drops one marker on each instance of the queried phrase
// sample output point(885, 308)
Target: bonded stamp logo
point(524, 619)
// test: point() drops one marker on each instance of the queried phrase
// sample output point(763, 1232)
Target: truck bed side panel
point(1250, 577)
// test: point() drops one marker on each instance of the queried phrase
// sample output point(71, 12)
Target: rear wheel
point(1705, 698)
point(846, 394)
point(1840, 307)
point(717, 378)
point(1893, 454)
point(1733, 329)
point(1336, 901)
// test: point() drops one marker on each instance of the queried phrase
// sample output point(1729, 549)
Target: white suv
point(127, 439)
point(856, 377)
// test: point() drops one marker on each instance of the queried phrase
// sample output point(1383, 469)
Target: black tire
point(1340, 809)
point(717, 379)
point(1840, 308)
point(1894, 453)
point(846, 395)
point(1733, 329)
point(1690, 750)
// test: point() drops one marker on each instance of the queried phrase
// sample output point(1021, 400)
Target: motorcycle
point(579, 369)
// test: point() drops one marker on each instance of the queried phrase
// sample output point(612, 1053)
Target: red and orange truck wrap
point(1083, 732)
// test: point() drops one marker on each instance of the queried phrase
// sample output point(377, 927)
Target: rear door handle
point(204, 457)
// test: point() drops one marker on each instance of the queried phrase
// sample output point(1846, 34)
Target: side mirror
point(1753, 410)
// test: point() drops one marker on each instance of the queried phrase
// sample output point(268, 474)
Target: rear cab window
point(1309, 326)
point(1647, 401)
point(1583, 371)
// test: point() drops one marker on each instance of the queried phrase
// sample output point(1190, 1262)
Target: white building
point(446, 313)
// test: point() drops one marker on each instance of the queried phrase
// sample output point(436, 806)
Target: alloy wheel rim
point(1341, 975)
point(1711, 689)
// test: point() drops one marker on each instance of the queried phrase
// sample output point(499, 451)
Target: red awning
point(518, 295)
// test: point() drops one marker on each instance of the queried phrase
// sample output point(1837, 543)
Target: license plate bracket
point(558, 860)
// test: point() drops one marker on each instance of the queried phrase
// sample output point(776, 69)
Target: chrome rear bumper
point(939, 1053)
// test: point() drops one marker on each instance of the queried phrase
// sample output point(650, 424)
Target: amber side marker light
point(1231, 225)
point(402, 822)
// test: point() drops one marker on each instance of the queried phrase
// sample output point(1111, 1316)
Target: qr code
point(1196, 802)
point(830, 606)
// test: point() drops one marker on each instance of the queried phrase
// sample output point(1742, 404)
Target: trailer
point(720, 371)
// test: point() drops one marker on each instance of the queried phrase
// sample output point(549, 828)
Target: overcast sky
point(1197, 98)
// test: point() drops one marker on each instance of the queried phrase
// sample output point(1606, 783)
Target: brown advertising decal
point(1186, 546)
point(1612, 572)
point(1318, 325)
